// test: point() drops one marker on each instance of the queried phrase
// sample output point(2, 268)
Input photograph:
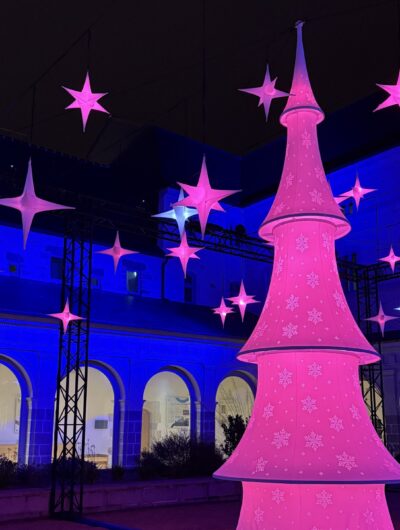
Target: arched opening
point(166, 408)
point(10, 413)
point(15, 410)
point(234, 397)
point(99, 424)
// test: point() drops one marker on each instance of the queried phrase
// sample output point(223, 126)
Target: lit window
point(132, 281)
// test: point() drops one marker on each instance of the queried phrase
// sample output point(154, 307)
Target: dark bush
point(70, 466)
point(233, 431)
point(117, 473)
point(177, 456)
point(7, 472)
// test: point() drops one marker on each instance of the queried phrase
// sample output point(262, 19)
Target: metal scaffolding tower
point(66, 498)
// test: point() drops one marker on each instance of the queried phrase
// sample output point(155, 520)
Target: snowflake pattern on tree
point(336, 423)
point(259, 515)
point(289, 180)
point(339, 300)
point(368, 517)
point(324, 498)
point(355, 412)
point(281, 439)
point(327, 241)
point(346, 461)
point(290, 330)
point(285, 378)
point(309, 404)
point(315, 316)
point(278, 496)
point(292, 302)
point(279, 266)
point(313, 440)
point(268, 411)
point(260, 464)
point(314, 370)
point(302, 243)
point(316, 196)
point(306, 139)
point(312, 280)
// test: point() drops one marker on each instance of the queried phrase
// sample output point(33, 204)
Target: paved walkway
point(210, 516)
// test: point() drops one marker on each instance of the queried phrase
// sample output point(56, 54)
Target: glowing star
point(203, 197)
point(340, 199)
point(180, 213)
point(66, 316)
point(29, 204)
point(242, 299)
point(86, 100)
point(117, 252)
point(394, 95)
point(222, 310)
point(391, 258)
point(266, 92)
point(357, 192)
point(381, 319)
point(184, 252)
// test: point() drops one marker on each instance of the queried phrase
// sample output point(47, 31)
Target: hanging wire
point(204, 73)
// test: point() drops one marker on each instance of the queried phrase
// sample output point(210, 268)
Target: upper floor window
point(189, 292)
point(56, 268)
point(133, 282)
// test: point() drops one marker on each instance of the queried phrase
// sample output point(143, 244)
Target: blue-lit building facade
point(159, 359)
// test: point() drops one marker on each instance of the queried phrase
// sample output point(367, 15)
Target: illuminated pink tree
point(310, 458)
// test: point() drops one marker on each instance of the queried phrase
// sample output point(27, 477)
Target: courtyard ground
point(207, 516)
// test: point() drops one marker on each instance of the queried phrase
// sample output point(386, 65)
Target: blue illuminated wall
point(162, 322)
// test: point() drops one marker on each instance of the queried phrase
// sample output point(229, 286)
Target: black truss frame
point(66, 496)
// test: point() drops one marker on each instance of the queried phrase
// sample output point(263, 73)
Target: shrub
point(177, 456)
point(7, 471)
point(233, 431)
point(117, 473)
point(70, 466)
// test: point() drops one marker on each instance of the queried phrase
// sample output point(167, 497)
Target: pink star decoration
point(203, 197)
point(116, 252)
point(357, 192)
point(266, 92)
point(394, 95)
point(66, 316)
point(381, 319)
point(340, 199)
point(222, 310)
point(86, 100)
point(29, 204)
point(242, 299)
point(391, 258)
point(184, 252)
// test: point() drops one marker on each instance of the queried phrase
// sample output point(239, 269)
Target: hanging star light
point(381, 319)
point(86, 100)
point(242, 300)
point(29, 204)
point(340, 199)
point(179, 213)
point(391, 258)
point(203, 197)
point(116, 252)
point(66, 316)
point(266, 92)
point(394, 95)
point(223, 310)
point(184, 252)
point(357, 192)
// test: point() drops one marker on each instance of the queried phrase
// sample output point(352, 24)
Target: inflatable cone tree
point(310, 458)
